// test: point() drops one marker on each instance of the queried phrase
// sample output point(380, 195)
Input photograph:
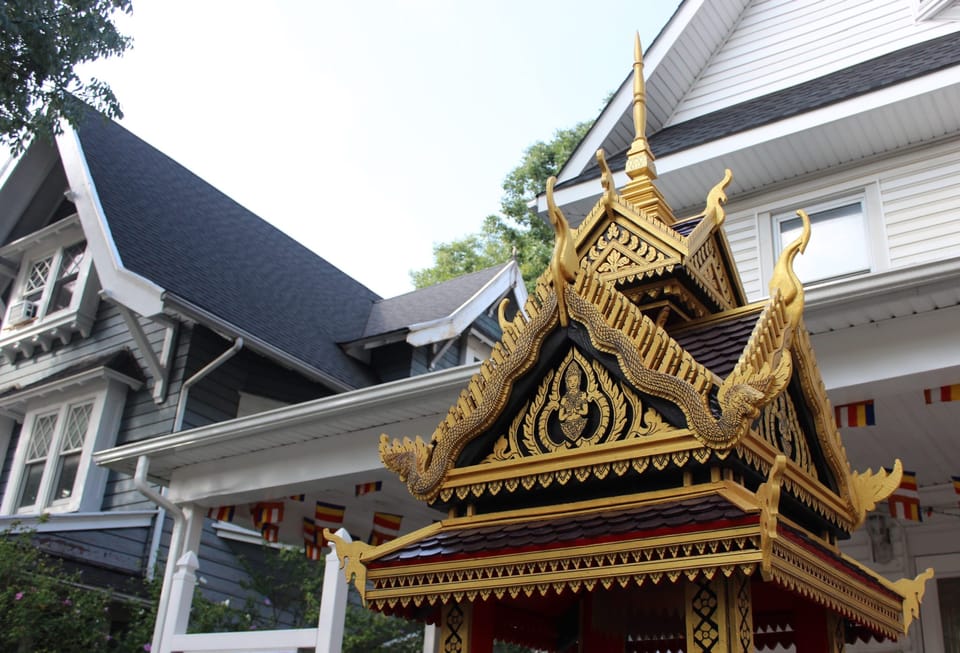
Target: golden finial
point(785, 278)
point(606, 178)
point(564, 264)
point(639, 158)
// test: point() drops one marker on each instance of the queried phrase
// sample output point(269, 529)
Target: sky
point(369, 131)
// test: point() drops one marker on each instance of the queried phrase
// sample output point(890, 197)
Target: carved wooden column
point(719, 615)
point(466, 628)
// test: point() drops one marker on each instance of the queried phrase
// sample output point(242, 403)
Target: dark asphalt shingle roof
point(176, 230)
point(678, 516)
point(718, 345)
point(431, 303)
point(866, 77)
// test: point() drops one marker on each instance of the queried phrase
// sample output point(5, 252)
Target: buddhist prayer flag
point(310, 530)
point(312, 551)
point(386, 527)
point(223, 513)
point(956, 487)
point(367, 488)
point(905, 500)
point(298, 497)
point(943, 393)
point(267, 512)
point(270, 532)
point(855, 414)
point(328, 515)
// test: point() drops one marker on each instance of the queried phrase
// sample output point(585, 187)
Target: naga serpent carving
point(741, 397)
point(423, 466)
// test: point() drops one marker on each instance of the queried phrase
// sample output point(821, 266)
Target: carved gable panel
point(707, 267)
point(577, 404)
point(622, 254)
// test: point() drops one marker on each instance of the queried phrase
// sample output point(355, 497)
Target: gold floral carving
point(780, 427)
point(565, 399)
point(768, 498)
point(659, 365)
point(912, 591)
point(620, 254)
point(351, 558)
point(870, 488)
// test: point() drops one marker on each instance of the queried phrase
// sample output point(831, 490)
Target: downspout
point(179, 519)
point(211, 366)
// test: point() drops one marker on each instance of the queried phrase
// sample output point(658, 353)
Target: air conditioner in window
point(22, 312)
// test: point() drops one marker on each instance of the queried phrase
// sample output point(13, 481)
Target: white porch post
point(333, 602)
point(429, 639)
point(184, 578)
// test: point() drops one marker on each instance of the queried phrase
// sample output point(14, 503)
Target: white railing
point(263, 641)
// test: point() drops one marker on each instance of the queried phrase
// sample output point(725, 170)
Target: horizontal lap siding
point(921, 205)
point(781, 43)
point(122, 549)
point(741, 231)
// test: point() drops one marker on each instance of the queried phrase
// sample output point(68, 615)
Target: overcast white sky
point(369, 130)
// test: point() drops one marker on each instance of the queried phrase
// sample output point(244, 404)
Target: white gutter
point(192, 311)
point(357, 402)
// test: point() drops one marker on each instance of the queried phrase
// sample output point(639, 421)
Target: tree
point(518, 230)
point(41, 44)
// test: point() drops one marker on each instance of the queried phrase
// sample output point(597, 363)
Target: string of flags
point(861, 413)
point(266, 517)
point(904, 503)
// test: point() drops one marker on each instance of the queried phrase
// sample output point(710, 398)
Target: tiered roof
point(639, 423)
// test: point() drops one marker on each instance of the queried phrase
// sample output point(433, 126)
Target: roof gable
point(173, 229)
point(444, 310)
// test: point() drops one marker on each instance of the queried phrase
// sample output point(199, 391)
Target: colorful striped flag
point(943, 393)
point(270, 532)
point(956, 487)
point(905, 500)
point(223, 513)
point(386, 527)
point(310, 530)
point(328, 515)
point(856, 414)
point(367, 488)
point(266, 512)
point(312, 551)
point(298, 497)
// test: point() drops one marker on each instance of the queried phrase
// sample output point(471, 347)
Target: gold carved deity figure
point(574, 404)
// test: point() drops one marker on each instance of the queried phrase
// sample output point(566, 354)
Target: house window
point(54, 447)
point(838, 244)
point(49, 299)
point(64, 422)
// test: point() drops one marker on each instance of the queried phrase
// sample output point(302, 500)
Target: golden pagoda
point(647, 462)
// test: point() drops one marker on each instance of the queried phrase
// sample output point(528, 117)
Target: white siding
point(781, 43)
point(921, 203)
point(741, 232)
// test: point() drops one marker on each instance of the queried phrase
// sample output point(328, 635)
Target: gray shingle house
point(139, 301)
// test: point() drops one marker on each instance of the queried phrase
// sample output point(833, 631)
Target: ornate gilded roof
point(601, 413)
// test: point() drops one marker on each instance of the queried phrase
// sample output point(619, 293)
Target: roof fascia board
point(787, 127)
point(191, 311)
point(360, 403)
point(622, 101)
point(131, 289)
point(452, 325)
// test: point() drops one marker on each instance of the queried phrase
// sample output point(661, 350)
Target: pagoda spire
point(640, 168)
point(639, 157)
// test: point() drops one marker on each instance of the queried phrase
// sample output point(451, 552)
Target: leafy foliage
point(41, 43)
point(518, 230)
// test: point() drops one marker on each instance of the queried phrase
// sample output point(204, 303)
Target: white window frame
point(946, 566)
point(106, 389)
point(867, 193)
point(46, 328)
